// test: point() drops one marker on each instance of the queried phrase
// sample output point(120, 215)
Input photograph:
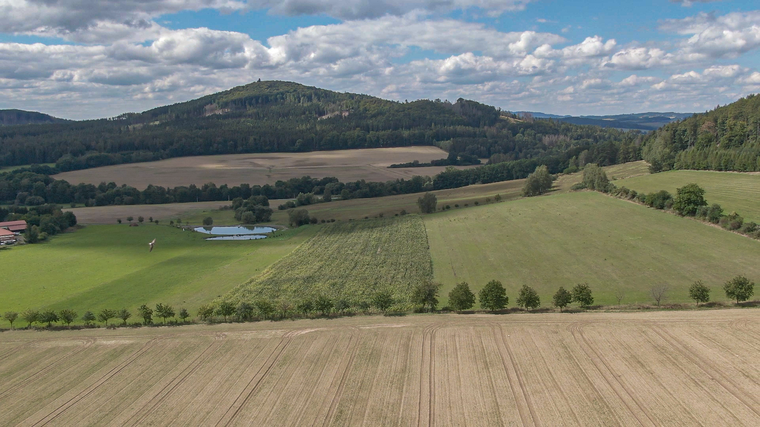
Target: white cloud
point(713, 36)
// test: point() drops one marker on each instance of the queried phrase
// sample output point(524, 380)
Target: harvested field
point(370, 164)
point(590, 369)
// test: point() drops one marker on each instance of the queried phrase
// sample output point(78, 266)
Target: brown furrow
point(499, 339)
point(520, 381)
point(342, 383)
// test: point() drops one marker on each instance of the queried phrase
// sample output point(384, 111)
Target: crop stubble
point(687, 368)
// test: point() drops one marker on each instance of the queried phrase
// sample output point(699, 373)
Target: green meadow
point(565, 239)
point(739, 192)
point(109, 266)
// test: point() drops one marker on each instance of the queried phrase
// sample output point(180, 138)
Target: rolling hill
point(20, 117)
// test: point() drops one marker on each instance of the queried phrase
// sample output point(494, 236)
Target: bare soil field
point(370, 164)
point(658, 368)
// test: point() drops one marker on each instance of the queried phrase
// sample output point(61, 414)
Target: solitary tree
point(208, 221)
point(493, 296)
point(582, 294)
point(562, 298)
point(106, 314)
point(146, 313)
point(539, 182)
point(88, 318)
point(323, 304)
point(427, 203)
point(30, 316)
point(225, 309)
point(67, 316)
point(124, 315)
point(426, 295)
point(528, 298)
point(619, 295)
point(129, 219)
point(699, 292)
point(140, 219)
point(659, 292)
point(461, 297)
point(183, 314)
point(48, 316)
point(11, 317)
point(739, 288)
point(206, 312)
point(298, 217)
point(383, 300)
point(689, 199)
point(118, 220)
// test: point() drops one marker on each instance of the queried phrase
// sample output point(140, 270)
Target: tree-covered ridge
point(289, 117)
point(21, 117)
point(726, 138)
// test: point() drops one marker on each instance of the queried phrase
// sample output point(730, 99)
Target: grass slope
point(349, 261)
point(565, 239)
point(109, 266)
point(738, 192)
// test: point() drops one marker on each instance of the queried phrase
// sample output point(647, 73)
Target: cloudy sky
point(99, 58)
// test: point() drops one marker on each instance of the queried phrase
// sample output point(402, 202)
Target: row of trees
point(68, 316)
point(492, 297)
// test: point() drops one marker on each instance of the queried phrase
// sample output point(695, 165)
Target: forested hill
point(20, 117)
point(288, 117)
point(726, 138)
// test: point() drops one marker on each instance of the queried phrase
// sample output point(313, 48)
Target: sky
point(85, 59)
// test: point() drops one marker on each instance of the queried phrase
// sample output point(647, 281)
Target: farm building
point(7, 237)
point(15, 227)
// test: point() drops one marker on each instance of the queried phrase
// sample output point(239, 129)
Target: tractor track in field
point(709, 368)
point(355, 339)
point(428, 342)
point(504, 350)
point(97, 384)
point(44, 369)
point(609, 376)
point(253, 384)
point(172, 385)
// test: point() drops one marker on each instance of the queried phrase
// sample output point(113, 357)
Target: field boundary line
point(94, 386)
point(586, 347)
point(253, 384)
point(708, 368)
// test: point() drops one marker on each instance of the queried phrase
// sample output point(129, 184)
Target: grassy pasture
point(585, 369)
point(739, 192)
point(565, 239)
point(349, 260)
point(109, 266)
point(370, 164)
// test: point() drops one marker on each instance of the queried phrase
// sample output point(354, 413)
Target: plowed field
point(661, 368)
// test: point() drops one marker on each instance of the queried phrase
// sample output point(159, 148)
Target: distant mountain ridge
point(14, 117)
point(634, 121)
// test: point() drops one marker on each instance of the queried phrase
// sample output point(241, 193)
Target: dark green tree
point(562, 298)
point(298, 217)
point(383, 300)
point(30, 316)
point(105, 315)
point(206, 312)
point(124, 315)
point(461, 297)
point(426, 295)
point(537, 183)
point(699, 292)
point(10, 316)
point(323, 305)
point(208, 221)
point(164, 311)
point(594, 178)
point(146, 313)
point(183, 314)
point(528, 298)
point(48, 316)
point(689, 199)
point(427, 203)
point(225, 309)
point(582, 294)
point(88, 317)
point(67, 316)
point(493, 296)
point(739, 288)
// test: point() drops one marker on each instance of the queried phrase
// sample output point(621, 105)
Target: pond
point(235, 232)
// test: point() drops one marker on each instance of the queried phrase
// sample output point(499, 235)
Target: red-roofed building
point(16, 227)
point(7, 237)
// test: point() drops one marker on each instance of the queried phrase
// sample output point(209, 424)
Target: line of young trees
point(66, 317)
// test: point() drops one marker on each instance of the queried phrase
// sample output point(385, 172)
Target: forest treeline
point(724, 139)
point(288, 117)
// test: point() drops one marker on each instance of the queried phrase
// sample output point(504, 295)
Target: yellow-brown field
point(659, 368)
point(370, 164)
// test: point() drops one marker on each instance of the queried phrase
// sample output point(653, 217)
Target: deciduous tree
point(493, 296)
point(739, 288)
point(323, 305)
point(124, 315)
point(88, 317)
point(30, 316)
point(427, 203)
point(67, 316)
point(48, 316)
point(225, 309)
point(689, 199)
point(659, 292)
point(528, 298)
point(562, 298)
point(146, 313)
point(582, 294)
point(10, 316)
point(383, 300)
point(461, 297)
point(206, 312)
point(699, 292)
point(426, 295)
point(105, 315)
